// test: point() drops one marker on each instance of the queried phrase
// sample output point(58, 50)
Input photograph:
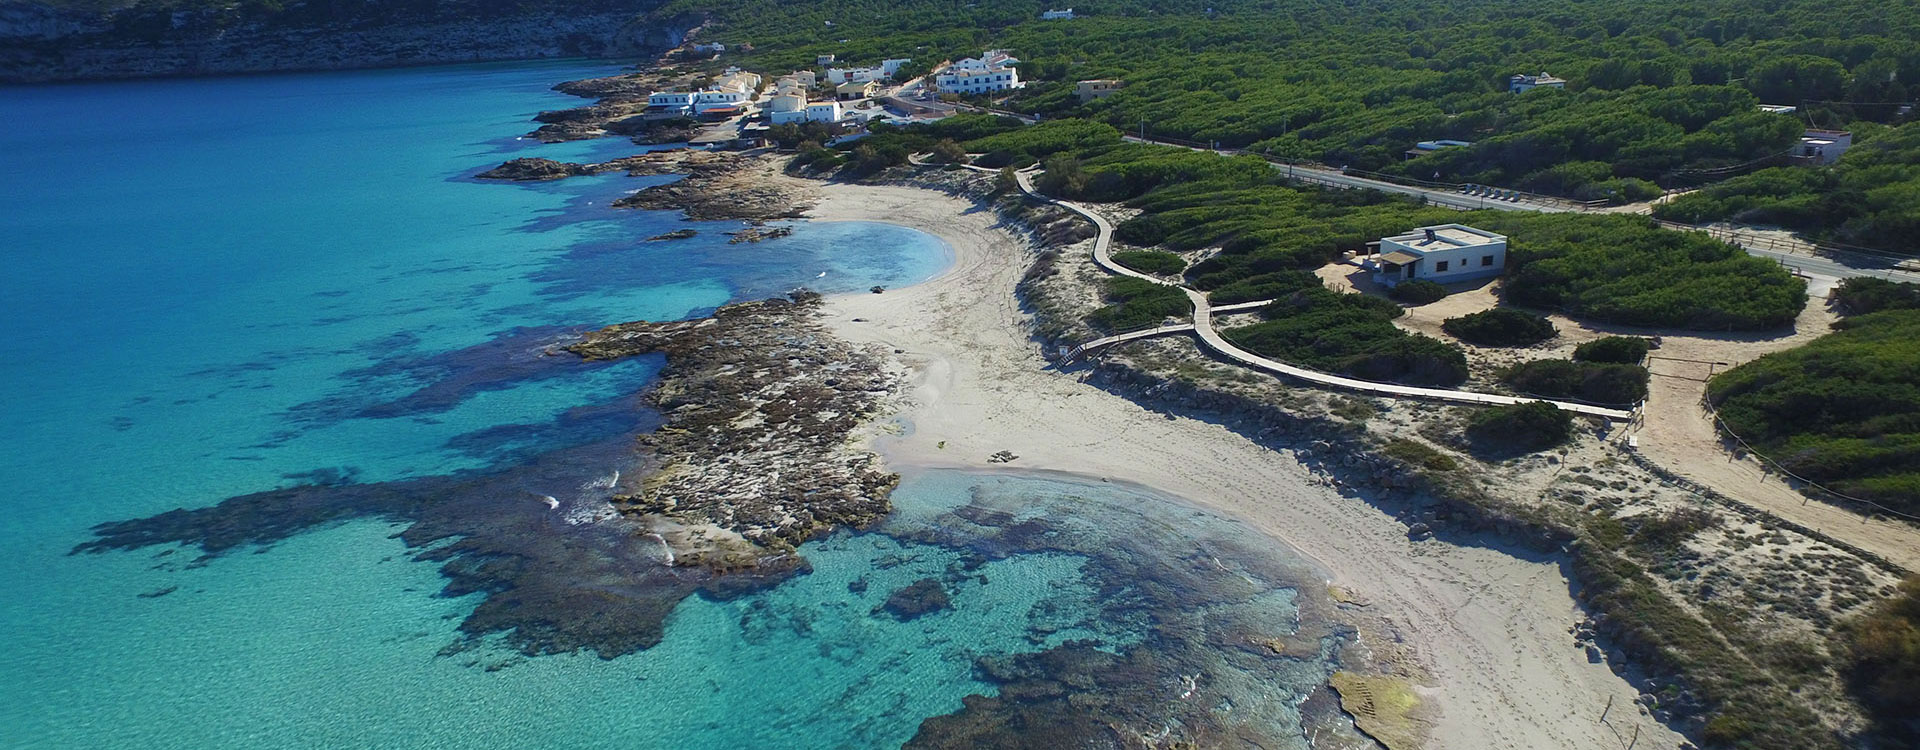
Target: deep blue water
point(222, 286)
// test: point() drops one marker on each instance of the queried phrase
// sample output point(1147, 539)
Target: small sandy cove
point(1490, 626)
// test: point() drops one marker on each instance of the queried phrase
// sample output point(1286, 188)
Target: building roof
point(1445, 236)
point(1401, 257)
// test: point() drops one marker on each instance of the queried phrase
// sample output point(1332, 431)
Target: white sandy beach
point(1490, 627)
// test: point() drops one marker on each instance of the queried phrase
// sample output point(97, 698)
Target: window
point(1486, 260)
point(1439, 266)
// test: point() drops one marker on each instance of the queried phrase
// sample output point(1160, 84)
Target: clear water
point(209, 285)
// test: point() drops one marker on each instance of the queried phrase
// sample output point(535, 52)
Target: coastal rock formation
point(591, 547)
point(727, 186)
point(652, 163)
point(754, 458)
point(923, 597)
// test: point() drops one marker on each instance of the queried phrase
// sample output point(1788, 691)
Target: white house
point(823, 59)
point(993, 71)
point(711, 49)
point(1523, 83)
point(890, 67)
point(1057, 15)
point(668, 104)
point(1822, 146)
point(837, 76)
point(805, 79)
point(823, 112)
point(1441, 254)
point(712, 99)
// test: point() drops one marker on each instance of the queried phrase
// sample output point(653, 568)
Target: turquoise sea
point(221, 286)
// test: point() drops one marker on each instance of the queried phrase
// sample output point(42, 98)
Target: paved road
point(1203, 326)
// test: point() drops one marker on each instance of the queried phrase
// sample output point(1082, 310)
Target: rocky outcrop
point(760, 408)
point(727, 186)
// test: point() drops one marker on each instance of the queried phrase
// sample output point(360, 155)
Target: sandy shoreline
point(1489, 624)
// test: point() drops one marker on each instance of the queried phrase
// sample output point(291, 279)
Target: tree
point(949, 152)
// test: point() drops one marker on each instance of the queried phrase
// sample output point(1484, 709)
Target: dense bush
point(1528, 427)
point(1609, 384)
point(1864, 294)
point(1842, 410)
point(1351, 334)
point(1883, 649)
point(1620, 350)
point(1624, 269)
point(1418, 292)
point(1500, 326)
point(1139, 304)
point(1151, 261)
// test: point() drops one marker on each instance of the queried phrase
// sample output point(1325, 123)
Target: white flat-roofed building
point(991, 72)
point(892, 66)
point(837, 76)
point(717, 99)
point(1442, 254)
point(823, 112)
point(823, 60)
point(1524, 83)
point(1822, 146)
point(1057, 15)
point(668, 104)
point(803, 78)
point(1087, 91)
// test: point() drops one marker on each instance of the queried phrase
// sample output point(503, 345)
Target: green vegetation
point(1151, 261)
point(1861, 294)
point(1593, 382)
point(1419, 454)
point(1500, 326)
point(1627, 270)
point(1620, 350)
point(1139, 304)
point(1843, 410)
point(1884, 652)
point(1418, 292)
point(1869, 198)
point(1525, 427)
point(1352, 334)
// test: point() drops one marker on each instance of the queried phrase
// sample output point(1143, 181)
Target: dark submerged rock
point(920, 598)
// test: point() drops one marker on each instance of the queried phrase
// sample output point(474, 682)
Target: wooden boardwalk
point(1203, 312)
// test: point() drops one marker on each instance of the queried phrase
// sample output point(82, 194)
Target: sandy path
point(1491, 626)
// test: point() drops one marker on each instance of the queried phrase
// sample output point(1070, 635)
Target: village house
point(1087, 91)
point(805, 79)
point(856, 89)
point(823, 60)
point(1442, 254)
point(837, 76)
point(1820, 147)
point(1057, 15)
point(663, 105)
point(993, 71)
point(1523, 83)
point(824, 112)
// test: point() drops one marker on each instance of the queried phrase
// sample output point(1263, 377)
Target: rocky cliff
point(43, 42)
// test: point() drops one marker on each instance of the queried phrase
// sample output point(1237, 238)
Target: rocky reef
point(591, 547)
point(922, 597)
point(754, 458)
point(728, 186)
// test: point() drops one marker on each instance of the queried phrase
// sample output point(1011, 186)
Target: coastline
point(1486, 626)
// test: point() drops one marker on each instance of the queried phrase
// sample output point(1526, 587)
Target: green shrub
point(1861, 295)
point(1883, 650)
point(1418, 292)
point(1842, 410)
point(1500, 326)
point(1420, 454)
point(1139, 304)
point(1151, 261)
point(1595, 382)
point(1351, 334)
point(1528, 427)
point(1622, 350)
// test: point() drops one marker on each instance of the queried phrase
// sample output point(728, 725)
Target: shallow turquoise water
point(221, 286)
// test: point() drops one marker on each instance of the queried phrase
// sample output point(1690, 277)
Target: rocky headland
point(717, 185)
point(591, 547)
point(755, 457)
